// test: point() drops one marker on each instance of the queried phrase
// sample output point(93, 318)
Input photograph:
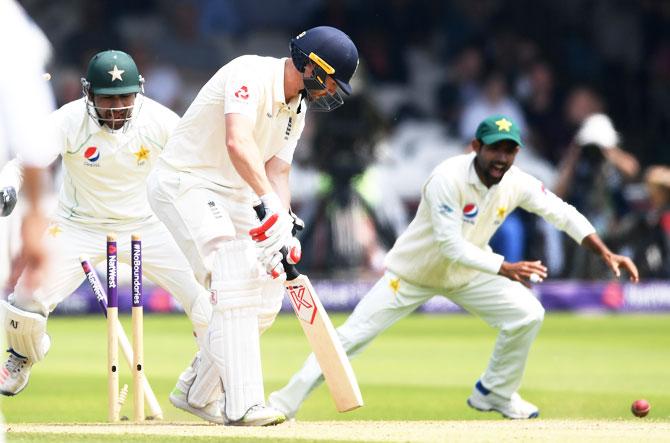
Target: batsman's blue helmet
point(328, 48)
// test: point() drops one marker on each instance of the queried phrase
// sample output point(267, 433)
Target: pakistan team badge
point(394, 284)
point(503, 125)
point(54, 230)
point(502, 211)
point(116, 73)
point(142, 155)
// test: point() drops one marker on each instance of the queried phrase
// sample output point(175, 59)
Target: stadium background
point(430, 70)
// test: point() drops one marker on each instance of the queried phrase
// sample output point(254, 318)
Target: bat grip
point(291, 271)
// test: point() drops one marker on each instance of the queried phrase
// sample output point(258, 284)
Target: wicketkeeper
point(109, 140)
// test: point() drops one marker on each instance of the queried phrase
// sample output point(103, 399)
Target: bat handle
point(291, 271)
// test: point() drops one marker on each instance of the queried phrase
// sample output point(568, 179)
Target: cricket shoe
point(14, 374)
point(259, 415)
point(278, 402)
point(210, 412)
point(515, 408)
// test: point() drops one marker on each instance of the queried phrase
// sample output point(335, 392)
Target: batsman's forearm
point(278, 173)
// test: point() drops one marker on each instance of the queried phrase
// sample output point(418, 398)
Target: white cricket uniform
point(104, 191)
point(195, 190)
point(445, 252)
point(25, 99)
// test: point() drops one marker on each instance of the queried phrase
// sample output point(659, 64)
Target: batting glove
point(272, 260)
point(298, 223)
point(275, 229)
point(274, 236)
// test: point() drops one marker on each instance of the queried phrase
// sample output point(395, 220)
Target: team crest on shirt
point(142, 155)
point(54, 230)
point(470, 211)
point(242, 93)
point(445, 209)
point(500, 215)
point(215, 209)
point(92, 155)
point(394, 284)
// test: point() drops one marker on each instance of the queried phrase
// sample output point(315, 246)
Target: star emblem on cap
point(503, 125)
point(116, 73)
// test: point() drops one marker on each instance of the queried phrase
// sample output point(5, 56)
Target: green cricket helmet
point(111, 73)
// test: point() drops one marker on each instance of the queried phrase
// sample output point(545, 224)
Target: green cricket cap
point(496, 128)
point(113, 73)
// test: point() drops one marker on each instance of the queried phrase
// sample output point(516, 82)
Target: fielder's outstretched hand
point(616, 262)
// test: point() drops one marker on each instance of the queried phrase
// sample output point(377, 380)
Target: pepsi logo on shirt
point(92, 155)
point(470, 211)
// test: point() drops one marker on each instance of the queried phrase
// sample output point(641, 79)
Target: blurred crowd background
point(429, 72)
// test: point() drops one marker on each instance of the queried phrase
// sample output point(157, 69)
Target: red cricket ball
point(640, 408)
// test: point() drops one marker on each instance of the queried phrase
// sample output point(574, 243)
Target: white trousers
point(201, 217)
point(209, 223)
point(162, 262)
point(503, 304)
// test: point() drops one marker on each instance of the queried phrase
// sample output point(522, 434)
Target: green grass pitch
point(423, 368)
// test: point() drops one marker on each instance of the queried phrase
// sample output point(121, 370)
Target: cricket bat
point(321, 335)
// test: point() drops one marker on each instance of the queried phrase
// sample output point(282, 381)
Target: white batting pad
point(200, 312)
point(233, 331)
point(208, 386)
point(273, 294)
point(200, 382)
point(26, 332)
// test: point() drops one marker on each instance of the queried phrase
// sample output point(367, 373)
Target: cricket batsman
point(445, 251)
point(109, 140)
point(234, 145)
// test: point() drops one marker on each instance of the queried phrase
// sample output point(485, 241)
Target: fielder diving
point(445, 251)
